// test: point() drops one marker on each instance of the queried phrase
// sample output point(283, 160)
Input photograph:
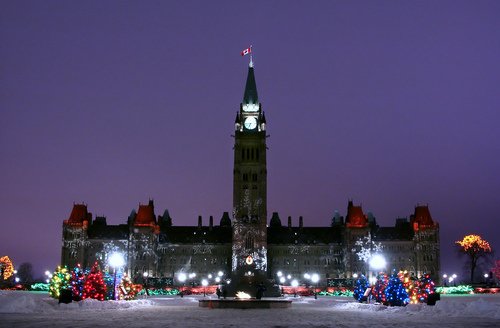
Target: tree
point(496, 270)
point(475, 248)
point(61, 279)
point(362, 285)
point(25, 273)
point(94, 286)
point(395, 292)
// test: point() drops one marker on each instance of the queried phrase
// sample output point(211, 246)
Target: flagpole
point(251, 58)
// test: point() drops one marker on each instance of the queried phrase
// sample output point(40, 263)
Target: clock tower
point(250, 183)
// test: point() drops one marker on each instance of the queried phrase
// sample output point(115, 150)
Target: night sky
point(389, 103)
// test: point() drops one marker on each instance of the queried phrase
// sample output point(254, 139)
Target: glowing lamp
point(315, 278)
point(181, 277)
point(377, 262)
point(116, 260)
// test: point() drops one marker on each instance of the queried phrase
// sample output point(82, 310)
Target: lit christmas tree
point(395, 292)
point(77, 281)
point(126, 290)
point(426, 288)
point(411, 285)
point(359, 290)
point(61, 279)
point(94, 286)
point(109, 281)
point(378, 290)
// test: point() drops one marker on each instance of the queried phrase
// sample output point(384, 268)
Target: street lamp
point(116, 261)
point(377, 263)
point(204, 283)
point(315, 279)
point(295, 283)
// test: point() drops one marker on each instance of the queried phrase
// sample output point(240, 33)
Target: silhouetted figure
point(224, 292)
point(260, 291)
point(218, 292)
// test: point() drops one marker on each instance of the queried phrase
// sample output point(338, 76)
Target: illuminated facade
point(245, 241)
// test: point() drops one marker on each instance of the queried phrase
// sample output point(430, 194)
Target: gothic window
point(257, 154)
point(245, 177)
point(242, 153)
point(254, 176)
point(248, 153)
point(252, 153)
point(249, 242)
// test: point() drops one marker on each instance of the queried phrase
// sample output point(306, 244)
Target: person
point(218, 292)
point(224, 292)
point(260, 291)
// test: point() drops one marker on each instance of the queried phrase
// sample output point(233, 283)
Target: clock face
point(250, 123)
point(249, 260)
point(250, 107)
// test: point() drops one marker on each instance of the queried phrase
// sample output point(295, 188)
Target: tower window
point(242, 153)
point(249, 242)
point(245, 177)
point(257, 154)
point(248, 153)
point(254, 177)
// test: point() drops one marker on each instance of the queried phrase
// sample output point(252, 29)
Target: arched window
point(249, 242)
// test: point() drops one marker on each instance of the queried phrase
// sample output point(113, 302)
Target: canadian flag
point(246, 51)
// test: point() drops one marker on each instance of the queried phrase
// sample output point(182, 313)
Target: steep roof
point(145, 215)
point(250, 96)
point(78, 215)
point(422, 218)
point(355, 217)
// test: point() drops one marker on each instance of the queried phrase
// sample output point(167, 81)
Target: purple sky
point(390, 103)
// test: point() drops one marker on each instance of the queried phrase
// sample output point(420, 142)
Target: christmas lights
point(378, 290)
point(6, 267)
point(361, 286)
point(94, 286)
point(395, 293)
point(77, 282)
point(60, 280)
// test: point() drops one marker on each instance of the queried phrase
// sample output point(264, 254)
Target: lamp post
point(315, 279)
point(445, 278)
point(377, 262)
point(295, 283)
point(204, 283)
point(116, 261)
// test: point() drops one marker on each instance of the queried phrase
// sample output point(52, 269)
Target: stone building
point(245, 242)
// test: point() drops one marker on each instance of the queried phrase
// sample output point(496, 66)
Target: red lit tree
point(496, 270)
point(94, 286)
point(475, 248)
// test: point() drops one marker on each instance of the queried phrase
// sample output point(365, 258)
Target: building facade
point(245, 242)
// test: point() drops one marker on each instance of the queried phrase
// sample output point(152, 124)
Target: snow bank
point(447, 307)
point(26, 302)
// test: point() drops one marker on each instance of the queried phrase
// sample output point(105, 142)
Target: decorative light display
point(157, 292)
point(361, 285)
point(40, 287)
point(61, 279)
point(77, 281)
point(94, 286)
point(474, 243)
point(475, 247)
point(6, 267)
point(378, 290)
point(128, 291)
point(411, 285)
point(395, 293)
point(426, 288)
point(461, 289)
point(109, 282)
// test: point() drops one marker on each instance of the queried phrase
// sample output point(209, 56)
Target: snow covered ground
point(26, 309)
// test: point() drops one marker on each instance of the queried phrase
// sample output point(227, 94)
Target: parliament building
point(246, 241)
